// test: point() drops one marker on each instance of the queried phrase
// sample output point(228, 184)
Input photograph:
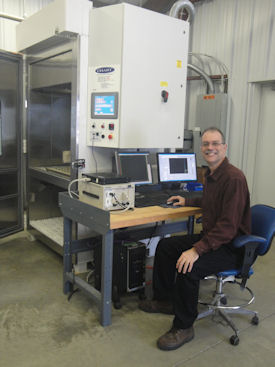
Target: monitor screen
point(178, 167)
point(104, 105)
point(135, 166)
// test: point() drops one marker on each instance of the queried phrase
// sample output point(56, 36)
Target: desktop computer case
point(128, 268)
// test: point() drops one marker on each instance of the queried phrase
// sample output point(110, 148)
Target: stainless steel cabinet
point(11, 193)
point(51, 90)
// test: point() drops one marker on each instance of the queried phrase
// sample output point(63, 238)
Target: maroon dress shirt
point(225, 207)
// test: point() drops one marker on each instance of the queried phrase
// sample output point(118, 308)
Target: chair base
point(217, 307)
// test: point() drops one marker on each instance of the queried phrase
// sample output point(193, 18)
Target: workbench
point(136, 224)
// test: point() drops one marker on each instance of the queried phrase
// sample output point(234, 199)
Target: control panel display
point(104, 105)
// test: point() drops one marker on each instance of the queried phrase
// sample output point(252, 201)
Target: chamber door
point(11, 190)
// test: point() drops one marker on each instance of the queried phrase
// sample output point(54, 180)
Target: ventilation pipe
point(183, 5)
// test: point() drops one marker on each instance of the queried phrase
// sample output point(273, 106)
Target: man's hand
point(180, 200)
point(186, 260)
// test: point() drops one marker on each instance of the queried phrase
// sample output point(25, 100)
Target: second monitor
point(134, 165)
point(176, 167)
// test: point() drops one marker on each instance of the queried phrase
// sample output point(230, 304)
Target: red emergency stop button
point(110, 136)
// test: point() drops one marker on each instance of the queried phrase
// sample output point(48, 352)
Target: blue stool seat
point(233, 272)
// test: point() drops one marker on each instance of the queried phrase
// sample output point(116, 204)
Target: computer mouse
point(172, 202)
point(169, 204)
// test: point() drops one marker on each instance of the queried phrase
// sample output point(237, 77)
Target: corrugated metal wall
point(17, 8)
point(241, 34)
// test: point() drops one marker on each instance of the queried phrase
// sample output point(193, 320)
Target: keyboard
point(143, 199)
point(152, 198)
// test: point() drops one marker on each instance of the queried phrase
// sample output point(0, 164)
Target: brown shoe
point(175, 338)
point(154, 306)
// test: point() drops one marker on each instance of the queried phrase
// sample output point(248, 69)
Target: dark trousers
point(183, 289)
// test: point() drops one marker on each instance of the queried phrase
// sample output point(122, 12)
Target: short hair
point(212, 129)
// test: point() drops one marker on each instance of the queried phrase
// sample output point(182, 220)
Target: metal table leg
point(67, 260)
point(106, 279)
point(190, 224)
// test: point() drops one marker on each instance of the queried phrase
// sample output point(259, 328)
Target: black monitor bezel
point(119, 171)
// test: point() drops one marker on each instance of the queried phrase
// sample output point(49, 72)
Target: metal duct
point(205, 76)
point(183, 5)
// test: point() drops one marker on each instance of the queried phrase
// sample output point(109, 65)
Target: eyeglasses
point(215, 144)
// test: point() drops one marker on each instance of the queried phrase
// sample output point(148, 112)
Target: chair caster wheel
point(255, 320)
point(224, 300)
point(234, 340)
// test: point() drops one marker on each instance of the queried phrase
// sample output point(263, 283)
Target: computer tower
point(128, 268)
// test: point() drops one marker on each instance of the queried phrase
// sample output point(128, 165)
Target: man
point(225, 215)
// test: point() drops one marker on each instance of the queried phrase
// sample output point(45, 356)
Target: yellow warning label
point(179, 64)
point(163, 84)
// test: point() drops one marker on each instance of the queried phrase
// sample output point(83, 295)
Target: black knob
point(164, 95)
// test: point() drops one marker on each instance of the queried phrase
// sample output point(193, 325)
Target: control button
point(110, 136)
point(103, 136)
point(97, 134)
point(102, 126)
point(111, 126)
point(93, 126)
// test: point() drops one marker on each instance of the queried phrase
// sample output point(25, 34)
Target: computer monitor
point(176, 167)
point(135, 166)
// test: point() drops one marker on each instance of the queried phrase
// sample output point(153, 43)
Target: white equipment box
point(136, 78)
point(108, 197)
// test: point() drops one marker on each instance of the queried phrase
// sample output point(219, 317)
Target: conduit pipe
point(11, 17)
point(205, 77)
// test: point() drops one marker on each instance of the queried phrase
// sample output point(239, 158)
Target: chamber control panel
point(103, 104)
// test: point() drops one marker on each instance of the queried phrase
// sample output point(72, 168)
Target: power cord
point(70, 192)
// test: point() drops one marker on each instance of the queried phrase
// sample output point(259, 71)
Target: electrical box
point(212, 111)
point(107, 197)
point(136, 78)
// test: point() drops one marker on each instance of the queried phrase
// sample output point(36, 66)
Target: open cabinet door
point(11, 190)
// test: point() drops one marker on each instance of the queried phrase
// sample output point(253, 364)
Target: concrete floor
point(40, 328)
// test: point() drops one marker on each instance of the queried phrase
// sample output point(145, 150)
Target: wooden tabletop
point(149, 214)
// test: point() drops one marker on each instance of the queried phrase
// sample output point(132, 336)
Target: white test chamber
point(136, 57)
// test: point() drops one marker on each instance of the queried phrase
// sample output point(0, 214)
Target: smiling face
point(213, 149)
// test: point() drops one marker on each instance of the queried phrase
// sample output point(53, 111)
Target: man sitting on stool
point(225, 215)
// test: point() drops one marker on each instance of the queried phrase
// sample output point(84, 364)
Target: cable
point(150, 239)
point(93, 154)
point(124, 207)
point(85, 179)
